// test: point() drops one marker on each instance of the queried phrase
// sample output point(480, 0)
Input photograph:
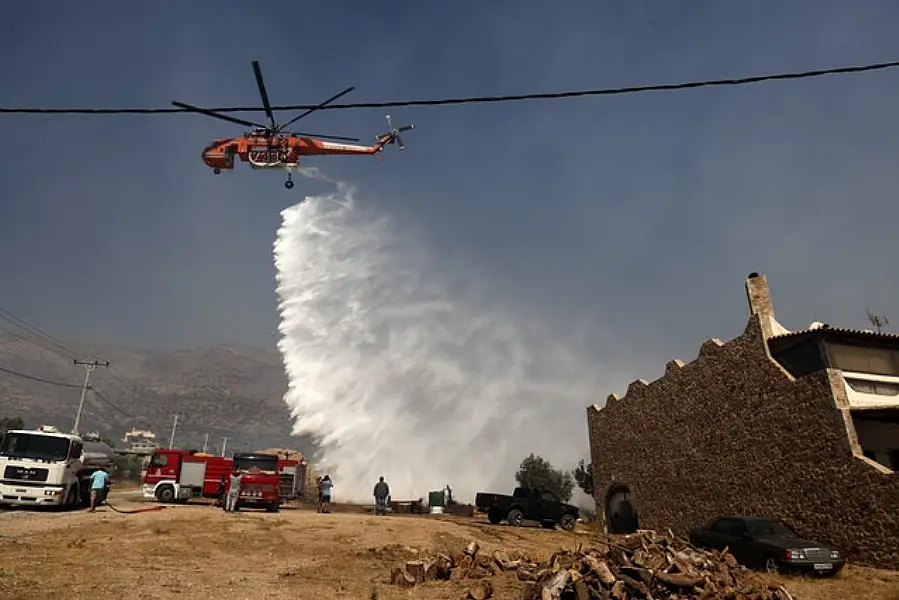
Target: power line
point(92, 387)
point(39, 379)
point(478, 99)
point(38, 333)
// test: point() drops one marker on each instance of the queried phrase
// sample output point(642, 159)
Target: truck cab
point(175, 475)
point(260, 478)
point(45, 467)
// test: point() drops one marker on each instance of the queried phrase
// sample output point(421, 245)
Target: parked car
point(768, 543)
point(527, 504)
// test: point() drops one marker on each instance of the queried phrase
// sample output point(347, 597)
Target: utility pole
point(205, 443)
point(224, 442)
point(877, 321)
point(89, 367)
point(174, 427)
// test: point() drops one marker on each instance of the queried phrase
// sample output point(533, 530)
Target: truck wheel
point(165, 493)
point(515, 517)
point(567, 522)
point(494, 516)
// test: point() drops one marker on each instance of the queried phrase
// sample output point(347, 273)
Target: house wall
point(732, 432)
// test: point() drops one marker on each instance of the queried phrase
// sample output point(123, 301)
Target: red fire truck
point(260, 478)
point(178, 475)
point(175, 475)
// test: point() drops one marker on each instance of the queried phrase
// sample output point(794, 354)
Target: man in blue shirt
point(325, 488)
point(99, 482)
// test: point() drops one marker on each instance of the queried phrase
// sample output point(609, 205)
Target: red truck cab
point(259, 480)
point(178, 475)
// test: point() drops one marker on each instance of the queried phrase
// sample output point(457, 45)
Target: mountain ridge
point(234, 391)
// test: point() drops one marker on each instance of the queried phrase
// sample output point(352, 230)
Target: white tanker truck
point(45, 467)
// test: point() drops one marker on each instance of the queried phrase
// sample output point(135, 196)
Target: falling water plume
point(399, 370)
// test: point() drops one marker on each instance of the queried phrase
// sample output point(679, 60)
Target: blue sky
point(639, 214)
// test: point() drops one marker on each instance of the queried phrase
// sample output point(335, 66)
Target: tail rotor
point(393, 136)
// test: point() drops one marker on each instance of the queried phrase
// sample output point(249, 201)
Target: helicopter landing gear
point(217, 171)
point(289, 183)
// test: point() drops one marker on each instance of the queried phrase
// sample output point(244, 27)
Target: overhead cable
point(476, 99)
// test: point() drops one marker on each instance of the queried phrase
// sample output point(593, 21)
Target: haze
point(624, 224)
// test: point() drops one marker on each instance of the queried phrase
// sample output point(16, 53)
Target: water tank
point(97, 454)
point(437, 498)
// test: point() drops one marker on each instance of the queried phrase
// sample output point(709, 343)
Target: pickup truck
point(527, 504)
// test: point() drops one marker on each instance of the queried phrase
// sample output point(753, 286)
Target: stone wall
point(733, 433)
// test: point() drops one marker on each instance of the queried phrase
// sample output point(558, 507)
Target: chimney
point(759, 296)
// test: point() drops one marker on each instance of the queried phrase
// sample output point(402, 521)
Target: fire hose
point(136, 510)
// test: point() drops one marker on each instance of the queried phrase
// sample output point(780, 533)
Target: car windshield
point(770, 529)
point(26, 445)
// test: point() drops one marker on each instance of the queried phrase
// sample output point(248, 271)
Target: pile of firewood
point(471, 564)
point(643, 565)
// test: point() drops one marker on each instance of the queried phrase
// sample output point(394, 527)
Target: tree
point(7, 423)
point(537, 472)
point(583, 474)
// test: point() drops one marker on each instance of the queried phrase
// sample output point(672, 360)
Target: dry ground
point(200, 552)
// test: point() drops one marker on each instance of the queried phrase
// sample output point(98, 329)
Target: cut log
point(431, 570)
point(530, 591)
point(481, 590)
point(443, 564)
point(458, 574)
point(483, 560)
point(601, 569)
point(401, 578)
point(416, 568)
point(495, 568)
point(581, 591)
point(472, 548)
point(679, 580)
point(556, 585)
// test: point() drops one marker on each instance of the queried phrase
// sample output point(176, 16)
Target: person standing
point(99, 483)
point(326, 487)
point(381, 493)
point(233, 491)
point(220, 494)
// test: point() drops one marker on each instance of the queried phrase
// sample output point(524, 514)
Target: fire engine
point(260, 480)
point(175, 475)
point(178, 475)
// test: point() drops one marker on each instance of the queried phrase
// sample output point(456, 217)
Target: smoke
point(401, 368)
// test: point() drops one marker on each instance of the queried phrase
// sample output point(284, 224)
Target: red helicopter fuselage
point(277, 152)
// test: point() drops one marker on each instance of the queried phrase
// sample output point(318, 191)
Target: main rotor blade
point(327, 137)
point(216, 115)
point(268, 106)
point(323, 104)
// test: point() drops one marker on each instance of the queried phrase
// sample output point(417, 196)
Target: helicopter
point(271, 147)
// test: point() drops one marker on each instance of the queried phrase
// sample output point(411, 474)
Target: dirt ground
point(199, 551)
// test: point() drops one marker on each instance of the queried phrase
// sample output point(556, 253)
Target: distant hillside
point(223, 391)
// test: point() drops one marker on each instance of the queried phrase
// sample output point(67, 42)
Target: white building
point(140, 441)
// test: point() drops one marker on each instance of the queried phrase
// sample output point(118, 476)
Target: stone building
point(802, 425)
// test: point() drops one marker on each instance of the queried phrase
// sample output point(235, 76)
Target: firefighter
point(233, 491)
